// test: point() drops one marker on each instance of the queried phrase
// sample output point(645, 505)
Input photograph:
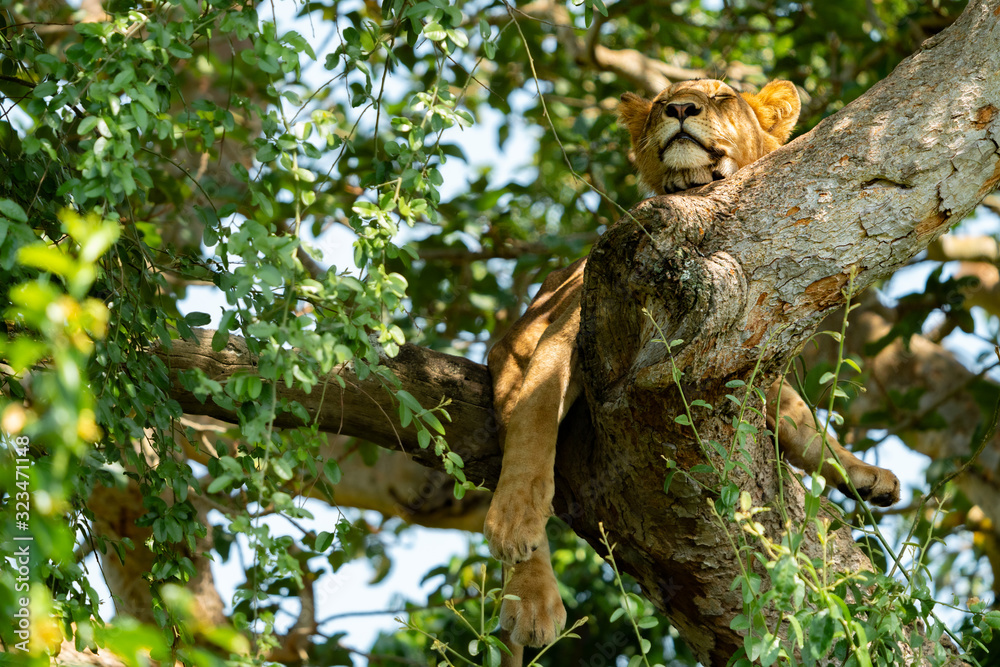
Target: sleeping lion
point(692, 133)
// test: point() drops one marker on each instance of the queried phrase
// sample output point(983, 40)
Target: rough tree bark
point(742, 270)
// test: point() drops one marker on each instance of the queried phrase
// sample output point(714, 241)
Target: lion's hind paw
point(537, 618)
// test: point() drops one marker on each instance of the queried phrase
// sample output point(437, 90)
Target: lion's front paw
point(514, 526)
point(538, 617)
point(876, 485)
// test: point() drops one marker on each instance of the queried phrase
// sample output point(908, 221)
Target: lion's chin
point(683, 154)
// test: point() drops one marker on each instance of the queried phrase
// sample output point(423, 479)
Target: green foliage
point(485, 646)
point(591, 588)
point(854, 617)
point(104, 213)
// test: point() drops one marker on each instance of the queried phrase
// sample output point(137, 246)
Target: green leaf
point(181, 51)
point(770, 650)
point(254, 387)
point(140, 115)
point(324, 540)
point(46, 89)
point(820, 634)
point(221, 336)
point(47, 258)
point(196, 319)
point(267, 153)
point(740, 623)
point(493, 656)
point(796, 628)
point(87, 125)
point(407, 399)
point(220, 339)
point(434, 32)
point(304, 174)
point(431, 420)
point(458, 37)
point(332, 471)
point(13, 211)
point(667, 480)
point(219, 483)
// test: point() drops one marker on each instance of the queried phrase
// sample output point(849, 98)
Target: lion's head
point(695, 132)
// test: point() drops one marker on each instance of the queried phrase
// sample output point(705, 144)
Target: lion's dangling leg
point(802, 445)
point(522, 502)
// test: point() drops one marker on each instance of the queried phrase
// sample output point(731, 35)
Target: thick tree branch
point(864, 192)
point(365, 408)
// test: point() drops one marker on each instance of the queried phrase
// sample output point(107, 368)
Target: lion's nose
point(682, 111)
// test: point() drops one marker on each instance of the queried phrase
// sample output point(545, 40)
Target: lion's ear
point(777, 108)
point(632, 113)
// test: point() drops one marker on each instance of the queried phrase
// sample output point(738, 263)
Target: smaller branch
point(294, 645)
point(385, 612)
point(651, 74)
point(510, 249)
point(951, 248)
point(874, 17)
point(593, 36)
point(992, 202)
point(20, 82)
